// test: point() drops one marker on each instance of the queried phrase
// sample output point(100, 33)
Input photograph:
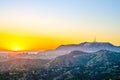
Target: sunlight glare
point(16, 48)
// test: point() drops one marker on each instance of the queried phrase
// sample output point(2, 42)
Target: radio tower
point(94, 39)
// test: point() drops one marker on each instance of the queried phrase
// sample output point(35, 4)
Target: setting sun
point(16, 48)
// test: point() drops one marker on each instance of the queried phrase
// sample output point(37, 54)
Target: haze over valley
point(59, 39)
point(66, 60)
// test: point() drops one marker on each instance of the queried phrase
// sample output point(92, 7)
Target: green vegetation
point(65, 73)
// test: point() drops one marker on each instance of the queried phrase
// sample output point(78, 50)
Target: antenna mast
point(94, 39)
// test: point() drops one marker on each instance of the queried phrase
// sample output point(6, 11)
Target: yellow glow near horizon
point(24, 42)
point(16, 48)
point(14, 42)
point(42, 25)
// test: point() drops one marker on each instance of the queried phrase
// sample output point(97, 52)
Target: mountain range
point(85, 61)
point(76, 58)
point(89, 47)
point(86, 53)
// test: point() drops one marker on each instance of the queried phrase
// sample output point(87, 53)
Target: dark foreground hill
point(77, 65)
point(76, 58)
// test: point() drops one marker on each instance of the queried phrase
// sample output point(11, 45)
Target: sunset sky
point(46, 24)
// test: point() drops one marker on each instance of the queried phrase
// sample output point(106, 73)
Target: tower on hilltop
point(94, 39)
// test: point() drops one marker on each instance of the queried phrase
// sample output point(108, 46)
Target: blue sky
point(70, 20)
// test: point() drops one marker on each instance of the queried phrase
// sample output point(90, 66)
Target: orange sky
point(46, 24)
point(26, 42)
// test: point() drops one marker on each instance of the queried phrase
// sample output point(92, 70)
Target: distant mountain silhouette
point(89, 47)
